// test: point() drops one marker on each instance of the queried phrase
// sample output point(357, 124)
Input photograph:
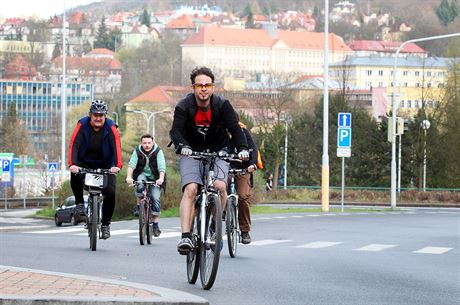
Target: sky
point(39, 8)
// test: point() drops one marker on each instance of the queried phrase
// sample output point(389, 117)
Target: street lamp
point(116, 117)
point(394, 110)
point(150, 115)
point(425, 125)
point(63, 96)
point(325, 157)
point(286, 124)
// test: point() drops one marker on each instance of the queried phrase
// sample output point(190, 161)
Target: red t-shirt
point(203, 118)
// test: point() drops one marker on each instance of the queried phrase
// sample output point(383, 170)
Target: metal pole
point(24, 185)
point(6, 202)
point(116, 117)
point(52, 188)
point(399, 164)
point(394, 110)
point(285, 153)
point(63, 96)
point(424, 159)
point(325, 158)
point(343, 182)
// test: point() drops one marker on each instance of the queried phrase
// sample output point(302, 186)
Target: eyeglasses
point(208, 86)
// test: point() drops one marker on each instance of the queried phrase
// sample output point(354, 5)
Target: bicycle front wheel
point(231, 226)
point(92, 223)
point(149, 223)
point(142, 223)
point(211, 242)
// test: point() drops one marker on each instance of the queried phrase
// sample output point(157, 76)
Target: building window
point(409, 104)
point(429, 85)
point(405, 84)
point(381, 72)
point(428, 73)
point(405, 73)
point(417, 85)
point(402, 104)
point(369, 72)
point(416, 104)
point(380, 84)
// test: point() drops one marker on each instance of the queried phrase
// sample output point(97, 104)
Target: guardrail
point(32, 202)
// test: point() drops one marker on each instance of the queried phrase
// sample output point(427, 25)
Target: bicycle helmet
point(98, 106)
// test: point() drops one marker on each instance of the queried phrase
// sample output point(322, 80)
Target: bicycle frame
point(145, 212)
point(232, 218)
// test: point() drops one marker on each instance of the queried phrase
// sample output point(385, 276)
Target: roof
point(159, 95)
point(384, 46)
point(89, 63)
point(388, 61)
point(101, 51)
point(181, 22)
point(211, 35)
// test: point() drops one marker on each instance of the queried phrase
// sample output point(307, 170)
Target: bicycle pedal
point(183, 251)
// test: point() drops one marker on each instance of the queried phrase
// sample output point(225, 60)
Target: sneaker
point(185, 245)
point(136, 210)
point(105, 229)
point(156, 231)
point(80, 209)
point(245, 238)
point(223, 215)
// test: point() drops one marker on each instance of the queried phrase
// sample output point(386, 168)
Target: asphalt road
point(407, 257)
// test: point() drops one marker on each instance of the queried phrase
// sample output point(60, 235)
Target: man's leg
point(139, 192)
point(243, 186)
point(156, 208)
point(109, 205)
point(76, 183)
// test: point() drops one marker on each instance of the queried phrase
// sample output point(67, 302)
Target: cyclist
point(200, 123)
point(244, 185)
point(95, 143)
point(147, 163)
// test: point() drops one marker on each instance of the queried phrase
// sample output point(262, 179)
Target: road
point(406, 257)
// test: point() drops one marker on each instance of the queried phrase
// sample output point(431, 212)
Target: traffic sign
point(344, 137)
point(344, 119)
point(6, 170)
point(6, 164)
point(52, 167)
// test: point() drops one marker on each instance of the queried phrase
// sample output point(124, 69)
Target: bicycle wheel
point(231, 226)
point(142, 223)
point(193, 257)
point(148, 222)
point(210, 250)
point(93, 217)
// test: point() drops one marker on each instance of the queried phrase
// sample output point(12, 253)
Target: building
point(132, 36)
point(244, 53)
point(38, 104)
point(384, 48)
point(20, 68)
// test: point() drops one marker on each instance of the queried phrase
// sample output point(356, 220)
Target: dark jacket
point(111, 145)
point(253, 153)
point(185, 132)
point(142, 161)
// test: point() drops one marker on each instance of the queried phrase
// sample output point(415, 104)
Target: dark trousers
point(244, 190)
point(77, 182)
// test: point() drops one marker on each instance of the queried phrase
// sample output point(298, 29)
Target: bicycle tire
point(231, 227)
point(148, 221)
point(210, 250)
point(92, 227)
point(142, 224)
point(193, 257)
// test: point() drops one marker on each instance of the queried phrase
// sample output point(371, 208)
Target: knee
point(191, 190)
point(220, 185)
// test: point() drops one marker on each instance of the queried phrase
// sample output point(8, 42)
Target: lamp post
point(63, 96)
point(150, 115)
point(286, 124)
point(325, 157)
point(116, 117)
point(425, 125)
point(394, 110)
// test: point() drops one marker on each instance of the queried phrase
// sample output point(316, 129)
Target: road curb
point(162, 296)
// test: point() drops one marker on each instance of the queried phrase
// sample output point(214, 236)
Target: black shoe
point(184, 246)
point(156, 231)
point(105, 229)
point(245, 238)
point(136, 210)
point(80, 209)
point(223, 215)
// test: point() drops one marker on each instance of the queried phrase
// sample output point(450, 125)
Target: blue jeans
point(155, 193)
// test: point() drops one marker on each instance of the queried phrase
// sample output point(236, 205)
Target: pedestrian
point(269, 182)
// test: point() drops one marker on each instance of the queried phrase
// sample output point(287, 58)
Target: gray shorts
point(191, 171)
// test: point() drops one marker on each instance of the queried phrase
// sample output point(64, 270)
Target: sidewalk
point(20, 286)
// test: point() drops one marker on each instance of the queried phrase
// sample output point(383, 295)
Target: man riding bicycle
point(95, 144)
point(147, 163)
point(200, 123)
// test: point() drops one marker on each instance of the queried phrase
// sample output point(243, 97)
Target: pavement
point(24, 286)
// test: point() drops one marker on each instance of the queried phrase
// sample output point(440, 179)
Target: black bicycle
point(231, 216)
point(207, 223)
point(95, 181)
point(145, 213)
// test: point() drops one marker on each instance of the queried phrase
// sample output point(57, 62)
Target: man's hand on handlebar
point(130, 181)
point(243, 155)
point(74, 169)
point(114, 169)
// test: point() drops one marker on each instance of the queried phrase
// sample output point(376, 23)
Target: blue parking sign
point(344, 137)
point(6, 164)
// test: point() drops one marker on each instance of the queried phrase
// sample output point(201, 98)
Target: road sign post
point(343, 144)
point(52, 168)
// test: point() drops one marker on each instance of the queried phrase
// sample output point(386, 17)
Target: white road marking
point(319, 244)
point(375, 247)
point(59, 231)
point(269, 242)
point(433, 250)
point(163, 235)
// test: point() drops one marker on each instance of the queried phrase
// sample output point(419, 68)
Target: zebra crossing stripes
point(375, 247)
point(433, 250)
point(269, 242)
point(320, 244)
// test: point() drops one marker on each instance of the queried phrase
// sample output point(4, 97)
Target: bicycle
point(145, 213)
point(231, 217)
point(204, 258)
point(95, 181)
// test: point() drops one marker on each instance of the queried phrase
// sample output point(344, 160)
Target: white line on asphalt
point(19, 220)
point(375, 247)
point(314, 215)
point(269, 242)
point(319, 244)
point(279, 217)
point(163, 235)
point(433, 250)
point(263, 218)
point(59, 231)
point(296, 216)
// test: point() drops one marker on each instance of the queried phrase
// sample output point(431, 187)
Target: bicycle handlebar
point(221, 155)
point(237, 171)
point(153, 183)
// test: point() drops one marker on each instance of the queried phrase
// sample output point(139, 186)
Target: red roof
point(20, 68)
point(384, 46)
point(211, 35)
point(101, 51)
point(89, 64)
point(182, 22)
point(160, 95)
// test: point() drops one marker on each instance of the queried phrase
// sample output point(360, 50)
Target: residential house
point(244, 53)
point(182, 26)
point(20, 68)
point(132, 36)
point(99, 67)
point(385, 48)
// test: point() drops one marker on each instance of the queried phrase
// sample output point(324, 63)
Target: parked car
point(66, 212)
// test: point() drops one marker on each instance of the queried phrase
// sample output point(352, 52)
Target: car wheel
point(56, 221)
point(73, 220)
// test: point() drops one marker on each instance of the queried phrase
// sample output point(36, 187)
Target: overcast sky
point(40, 8)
